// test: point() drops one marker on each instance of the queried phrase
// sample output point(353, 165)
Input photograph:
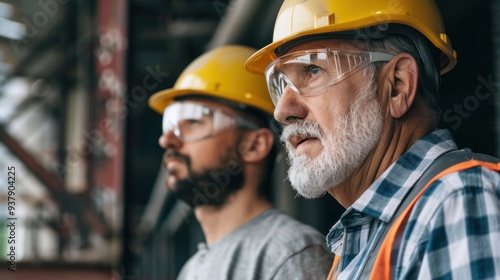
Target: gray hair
point(427, 89)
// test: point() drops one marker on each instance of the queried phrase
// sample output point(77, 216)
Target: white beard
point(345, 147)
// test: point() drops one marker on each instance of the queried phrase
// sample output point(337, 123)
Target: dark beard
point(211, 187)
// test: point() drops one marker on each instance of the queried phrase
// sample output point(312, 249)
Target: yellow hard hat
point(298, 19)
point(219, 73)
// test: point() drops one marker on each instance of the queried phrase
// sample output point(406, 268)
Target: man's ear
point(404, 76)
point(256, 145)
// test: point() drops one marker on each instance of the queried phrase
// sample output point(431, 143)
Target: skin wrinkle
point(356, 192)
point(398, 137)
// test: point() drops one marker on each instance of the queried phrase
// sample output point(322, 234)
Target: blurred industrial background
point(81, 143)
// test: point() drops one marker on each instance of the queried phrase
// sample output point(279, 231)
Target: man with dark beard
point(354, 83)
point(219, 156)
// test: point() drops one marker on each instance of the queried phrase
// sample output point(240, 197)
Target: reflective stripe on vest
point(334, 270)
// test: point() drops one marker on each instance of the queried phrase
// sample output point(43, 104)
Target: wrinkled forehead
point(336, 44)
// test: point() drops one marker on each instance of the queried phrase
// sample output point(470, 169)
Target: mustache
point(169, 154)
point(301, 129)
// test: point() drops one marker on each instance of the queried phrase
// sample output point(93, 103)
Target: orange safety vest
point(381, 267)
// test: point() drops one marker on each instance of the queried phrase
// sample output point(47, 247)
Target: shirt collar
point(382, 198)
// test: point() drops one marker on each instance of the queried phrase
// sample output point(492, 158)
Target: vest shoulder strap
point(378, 264)
point(443, 165)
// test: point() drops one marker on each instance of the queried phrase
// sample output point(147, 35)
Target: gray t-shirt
point(270, 246)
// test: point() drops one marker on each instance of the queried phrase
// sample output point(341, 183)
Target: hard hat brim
point(160, 100)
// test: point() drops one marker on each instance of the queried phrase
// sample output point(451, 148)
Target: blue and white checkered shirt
point(452, 232)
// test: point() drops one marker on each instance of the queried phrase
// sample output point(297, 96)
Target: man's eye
point(192, 121)
point(313, 70)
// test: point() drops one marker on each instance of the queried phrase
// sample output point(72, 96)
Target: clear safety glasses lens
point(191, 121)
point(309, 72)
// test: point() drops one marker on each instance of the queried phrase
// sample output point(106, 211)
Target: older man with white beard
point(354, 83)
point(354, 135)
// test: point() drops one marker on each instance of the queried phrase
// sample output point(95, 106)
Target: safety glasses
point(309, 72)
point(191, 121)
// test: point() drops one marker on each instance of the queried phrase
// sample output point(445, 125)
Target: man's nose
point(168, 139)
point(290, 108)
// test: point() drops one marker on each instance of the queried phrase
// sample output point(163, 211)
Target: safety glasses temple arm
point(378, 56)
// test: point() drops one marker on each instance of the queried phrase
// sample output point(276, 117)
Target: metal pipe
point(239, 25)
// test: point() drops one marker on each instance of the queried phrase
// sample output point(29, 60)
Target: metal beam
point(55, 186)
point(48, 179)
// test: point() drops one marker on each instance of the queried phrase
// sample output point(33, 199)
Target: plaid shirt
point(452, 232)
